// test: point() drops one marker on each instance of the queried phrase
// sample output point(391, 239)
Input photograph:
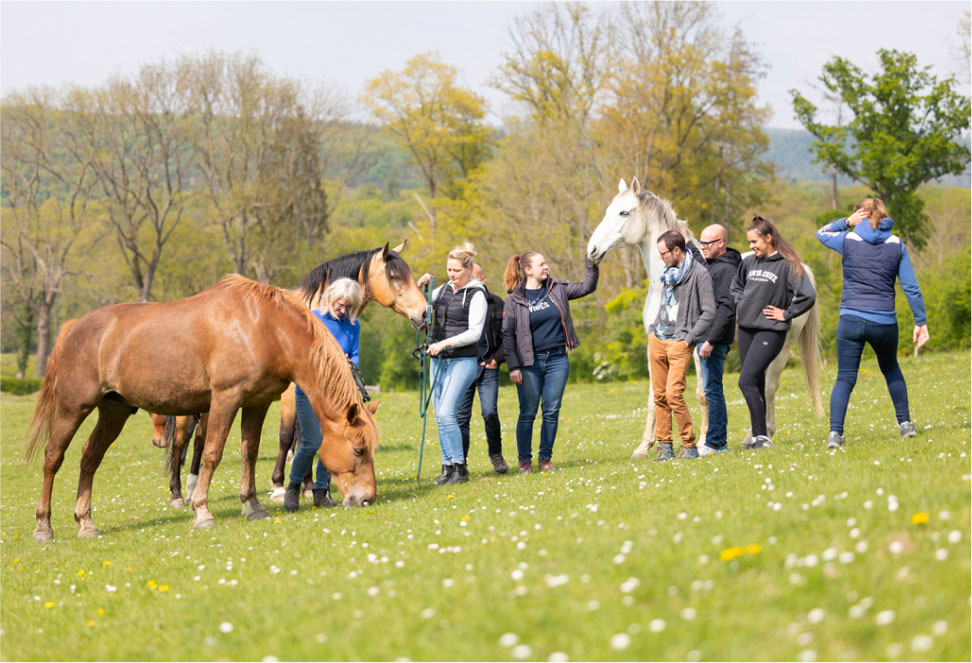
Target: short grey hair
point(348, 290)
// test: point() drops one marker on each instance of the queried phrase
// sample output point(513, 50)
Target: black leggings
point(757, 350)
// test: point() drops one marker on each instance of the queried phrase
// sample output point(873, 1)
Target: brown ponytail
point(875, 209)
point(765, 227)
point(515, 267)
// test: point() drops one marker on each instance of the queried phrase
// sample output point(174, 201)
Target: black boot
point(447, 473)
point(461, 475)
point(322, 498)
point(292, 496)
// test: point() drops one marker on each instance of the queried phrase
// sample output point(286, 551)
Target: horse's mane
point(331, 365)
point(352, 266)
point(660, 208)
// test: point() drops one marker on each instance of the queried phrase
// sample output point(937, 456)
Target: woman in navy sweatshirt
point(341, 303)
point(771, 288)
point(871, 258)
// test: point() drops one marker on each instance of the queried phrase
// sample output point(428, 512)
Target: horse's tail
point(42, 421)
point(809, 343)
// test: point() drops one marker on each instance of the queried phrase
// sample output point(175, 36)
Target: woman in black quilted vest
point(460, 312)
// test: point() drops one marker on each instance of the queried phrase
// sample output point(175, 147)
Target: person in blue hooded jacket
point(872, 258)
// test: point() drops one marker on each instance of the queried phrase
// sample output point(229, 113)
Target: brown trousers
point(669, 366)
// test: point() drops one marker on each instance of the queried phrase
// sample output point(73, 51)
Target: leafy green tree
point(48, 190)
point(437, 121)
point(905, 131)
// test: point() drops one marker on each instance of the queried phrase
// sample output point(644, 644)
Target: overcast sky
point(346, 43)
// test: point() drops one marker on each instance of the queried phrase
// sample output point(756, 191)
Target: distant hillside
point(790, 150)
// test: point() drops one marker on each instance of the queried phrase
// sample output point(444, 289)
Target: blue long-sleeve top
point(871, 259)
point(346, 333)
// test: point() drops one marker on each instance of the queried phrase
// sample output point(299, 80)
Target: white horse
point(637, 217)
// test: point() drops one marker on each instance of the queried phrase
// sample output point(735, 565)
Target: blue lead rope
point(421, 353)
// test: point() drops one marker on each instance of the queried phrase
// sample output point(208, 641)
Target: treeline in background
point(152, 186)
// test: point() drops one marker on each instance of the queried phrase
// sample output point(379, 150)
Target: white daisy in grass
point(620, 641)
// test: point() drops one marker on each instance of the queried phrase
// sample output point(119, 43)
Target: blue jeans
point(712, 367)
point(451, 378)
point(487, 383)
point(310, 444)
point(852, 333)
point(545, 379)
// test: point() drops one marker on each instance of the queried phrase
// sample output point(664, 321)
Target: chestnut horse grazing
point(236, 345)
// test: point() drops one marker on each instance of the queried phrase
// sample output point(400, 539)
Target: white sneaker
point(706, 450)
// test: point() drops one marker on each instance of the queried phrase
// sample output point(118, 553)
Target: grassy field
point(791, 553)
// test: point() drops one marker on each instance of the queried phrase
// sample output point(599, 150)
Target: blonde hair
point(348, 290)
point(465, 254)
point(875, 210)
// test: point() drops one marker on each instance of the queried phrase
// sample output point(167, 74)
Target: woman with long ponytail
point(537, 334)
point(771, 288)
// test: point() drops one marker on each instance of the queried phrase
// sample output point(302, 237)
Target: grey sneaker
point(835, 440)
point(665, 452)
point(907, 429)
point(761, 442)
point(688, 452)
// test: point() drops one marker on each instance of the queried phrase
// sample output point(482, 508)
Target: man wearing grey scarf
point(685, 315)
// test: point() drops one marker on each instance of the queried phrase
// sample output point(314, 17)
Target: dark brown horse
point(236, 345)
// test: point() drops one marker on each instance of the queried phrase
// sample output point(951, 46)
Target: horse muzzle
point(358, 498)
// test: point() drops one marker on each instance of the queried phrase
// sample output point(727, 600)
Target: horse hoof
point(277, 496)
point(43, 533)
point(257, 515)
point(205, 523)
point(177, 503)
point(88, 532)
point(308, 493)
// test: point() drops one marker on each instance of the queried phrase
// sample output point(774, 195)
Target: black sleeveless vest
point(452, 317)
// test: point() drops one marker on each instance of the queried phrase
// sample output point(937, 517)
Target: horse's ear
point(373, 406)
point(635, 186)
point(401, 247)
point(384, 251)
point(353, 413)
point(622, 187)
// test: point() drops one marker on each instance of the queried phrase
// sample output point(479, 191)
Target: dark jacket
point(723, 270)
point(491, 342)
point(762, 282)
point(517, 339)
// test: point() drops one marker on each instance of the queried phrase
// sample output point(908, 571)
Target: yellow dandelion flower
point(753, 549)
point(730, 554)
point(450, 496)
point(920, 518)
point(163, 588)
point(106, 563)
point(16, 559)
point(465, 517)
point(90, 623)
point(151, 584)
point(101, 611)
point(49, 604)
point(81, 573)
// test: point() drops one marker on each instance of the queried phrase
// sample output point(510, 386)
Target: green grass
point(607, 550)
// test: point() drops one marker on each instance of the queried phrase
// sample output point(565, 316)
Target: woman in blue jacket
point(341, 303)
point(872, 258)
